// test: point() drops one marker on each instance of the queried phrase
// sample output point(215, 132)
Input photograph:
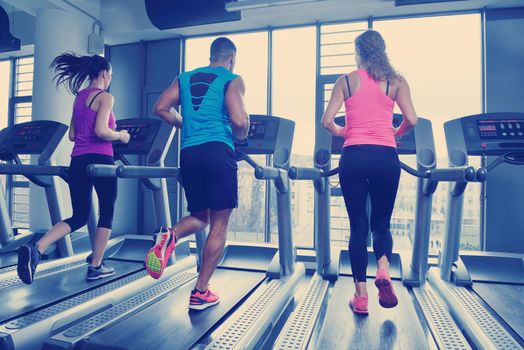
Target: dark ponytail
point(73, 70)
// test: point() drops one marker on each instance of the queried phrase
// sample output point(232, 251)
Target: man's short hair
point(221, 49)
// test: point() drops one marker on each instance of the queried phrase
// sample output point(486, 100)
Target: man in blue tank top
point(213, 110)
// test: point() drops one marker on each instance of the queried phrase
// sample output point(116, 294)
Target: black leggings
point(375, 171)
point(81, 189)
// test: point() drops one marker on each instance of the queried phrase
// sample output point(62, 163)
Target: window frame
point(370, 21)
point(14, 100)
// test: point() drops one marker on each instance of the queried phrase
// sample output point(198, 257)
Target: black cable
point(329, 182)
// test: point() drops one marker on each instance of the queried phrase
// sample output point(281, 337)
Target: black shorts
point(209, 176)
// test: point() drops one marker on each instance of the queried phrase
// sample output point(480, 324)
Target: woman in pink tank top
point(369, 165)
point(92, 131)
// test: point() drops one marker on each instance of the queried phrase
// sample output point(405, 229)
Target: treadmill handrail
point(144, 173)
point(242, 156)
point(267, 172)
point(136, 171)
point(32, 169)
point(467, 173)
point(102, 170)
point(412, 171)
point(297, 173)
point(454, 174)
point(32, 172)
point(262, 172)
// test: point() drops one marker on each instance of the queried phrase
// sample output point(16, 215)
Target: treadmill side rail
point(298, 329)
point(445, 331)
point(248, 327)
point(482, 328)
point(69, 338)
point(31, 331)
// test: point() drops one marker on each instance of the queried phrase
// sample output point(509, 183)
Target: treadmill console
point(405, 145)
point(501, 129)
point(266, 135)
point(143, 133)
point(34, 137)
point(488, 133)
point(269, 135)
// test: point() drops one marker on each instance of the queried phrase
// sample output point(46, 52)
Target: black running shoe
point(102, 271)
point(28, 259)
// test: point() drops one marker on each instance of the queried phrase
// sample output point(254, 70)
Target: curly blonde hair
point(371, 48)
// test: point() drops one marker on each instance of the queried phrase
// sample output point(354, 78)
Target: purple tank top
point(84, 120)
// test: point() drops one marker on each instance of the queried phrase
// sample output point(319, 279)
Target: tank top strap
point(83, 95)
point(94, 98)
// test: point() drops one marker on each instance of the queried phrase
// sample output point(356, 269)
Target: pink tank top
point(369, 115)
point(84, 120)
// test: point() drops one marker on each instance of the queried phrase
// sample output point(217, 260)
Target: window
point(22, 112)
point(441, 59)
point(248, 221)
point(337, 48)
point(5, 79)
point(293, 97)
point(5, 76)
point(24, 76)
point(337, 56)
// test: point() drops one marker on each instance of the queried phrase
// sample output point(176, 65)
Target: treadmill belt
point(8, 261)
point(22, 298)
point(506, 300)
point(397, 328)
point(169, 324)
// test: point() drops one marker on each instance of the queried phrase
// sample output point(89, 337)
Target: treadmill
point(31, 313)
point(37, 138)
point(32, 138)
point(322, 319)
point(255, 283)
point(483, 290)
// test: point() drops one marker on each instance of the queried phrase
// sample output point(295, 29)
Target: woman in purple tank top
point(92, 131)
point(369, 164)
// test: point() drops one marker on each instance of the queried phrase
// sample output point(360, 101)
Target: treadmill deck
point(397, 328)
point(24, 298)
point(506, 300)
point(169, 324)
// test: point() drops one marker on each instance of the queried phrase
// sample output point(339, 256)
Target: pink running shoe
point(158, 256)
point(202, 300)
point(359, 305)
point(386, 295)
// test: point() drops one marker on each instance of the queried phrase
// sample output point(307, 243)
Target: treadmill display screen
point(257, 130)
point(137, 132)
point(501, 129)
point(143, 133)
point(29, 133)
point(31, 138)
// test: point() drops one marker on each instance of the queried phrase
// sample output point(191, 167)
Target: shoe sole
point(24, 265)
point(386, 296)
point(155, 265)
point(100, 276)
point(204, 306)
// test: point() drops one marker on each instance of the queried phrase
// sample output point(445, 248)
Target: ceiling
point(126, 20)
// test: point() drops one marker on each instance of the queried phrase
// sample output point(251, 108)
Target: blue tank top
point(202, 96)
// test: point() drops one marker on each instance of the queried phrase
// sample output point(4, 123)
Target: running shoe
point(359, 305)
point(102, 271)
point(386, 294)
point(28, 259)
point(158, 256)
point(202, 300)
